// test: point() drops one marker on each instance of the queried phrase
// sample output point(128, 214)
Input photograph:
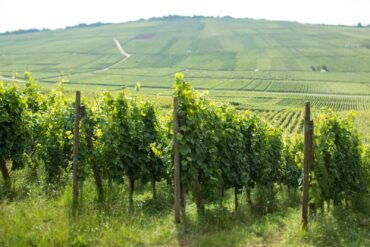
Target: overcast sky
point(24, 14)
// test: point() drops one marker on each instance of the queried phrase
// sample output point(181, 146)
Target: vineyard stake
point(236, 199)
point(308, 162)
point(75, 148)
point(5, 172)
point(176, 160)
point(197, 194)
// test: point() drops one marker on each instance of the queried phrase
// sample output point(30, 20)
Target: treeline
point(23, 31)
point(179, 17)
point(35, 30)
point(124, 139)
point(84, 25)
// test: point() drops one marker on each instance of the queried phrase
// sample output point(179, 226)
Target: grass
point(37, 215)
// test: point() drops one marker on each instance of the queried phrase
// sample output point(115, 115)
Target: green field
point(214, 53)
point(256, 64)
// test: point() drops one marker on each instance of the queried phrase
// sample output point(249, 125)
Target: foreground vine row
point(124, 136)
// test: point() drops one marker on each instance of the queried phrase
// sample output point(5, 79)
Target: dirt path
point(122, 51)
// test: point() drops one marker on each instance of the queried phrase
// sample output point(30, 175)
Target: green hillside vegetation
point(215, 53)
point(241, 177)
point(265, 66)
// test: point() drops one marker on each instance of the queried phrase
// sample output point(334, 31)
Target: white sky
point(24, 14)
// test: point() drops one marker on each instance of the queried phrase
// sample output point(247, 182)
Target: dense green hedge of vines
point(14, 120)
point(339, 172)
point(225, 148)
point(220, 147)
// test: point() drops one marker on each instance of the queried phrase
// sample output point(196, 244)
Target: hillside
point(271, 67)
point(214, 53)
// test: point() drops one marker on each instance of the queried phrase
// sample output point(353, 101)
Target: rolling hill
point(214, 53)
point(271, 67)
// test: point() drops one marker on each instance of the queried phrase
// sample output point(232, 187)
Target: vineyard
point(277, 105)
point(241, 55)
point(125, 163)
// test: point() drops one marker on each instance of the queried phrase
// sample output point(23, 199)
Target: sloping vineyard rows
point(341, 103)
point(124, 137)
point(289, 121)
point(221, 148)
point(292, 123)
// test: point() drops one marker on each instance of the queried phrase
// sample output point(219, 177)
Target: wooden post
point(95, 166)
point(222, 194)
point(154, 189)
point(236, 201)
point(76, 140)
point(182, 197)
point(197, 194)
point(176, 161)
point(131, 188)
point(248, 196)
point(308, 162)
point(5, 172)
point(312, 205)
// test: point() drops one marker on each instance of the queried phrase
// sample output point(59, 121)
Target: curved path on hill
point(119, 47)
point(127, 56)
point(122, 51)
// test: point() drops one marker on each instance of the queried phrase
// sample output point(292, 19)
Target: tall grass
point(41, 215)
